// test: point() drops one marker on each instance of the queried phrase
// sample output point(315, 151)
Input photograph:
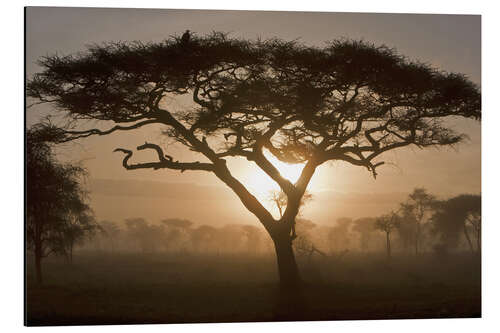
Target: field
point(105, 288)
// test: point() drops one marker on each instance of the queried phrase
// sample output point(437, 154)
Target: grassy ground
point(100, 288)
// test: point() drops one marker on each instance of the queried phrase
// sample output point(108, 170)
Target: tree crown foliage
point(56, 201)
point(388, 222)
point(349, 94)
point(450, 216)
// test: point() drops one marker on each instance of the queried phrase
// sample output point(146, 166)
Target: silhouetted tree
point(148, 237)
point(57, 214)
point(339, 235)
point(349, 101)
point(80, 226)
point(177, 232)
point(110, 230)
point(230, 237)
point(387, 223)
point(304, 244)
point(203, 237)
point(418, 208)
point(460, 214)
point(365, 226)
point(185, 37)
point(474, 220)
point(406, 230)
point(253, 238)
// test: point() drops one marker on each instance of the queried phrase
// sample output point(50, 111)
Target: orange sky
point(451, 43)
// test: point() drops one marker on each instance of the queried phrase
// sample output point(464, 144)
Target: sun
point(261, 184)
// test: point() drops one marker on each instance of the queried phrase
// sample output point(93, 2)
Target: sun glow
point(261, 184)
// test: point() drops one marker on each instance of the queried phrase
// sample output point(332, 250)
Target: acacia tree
point(365, 226)
point(177, 232)
point(387, 223)
point(253, 238)
point(57, 214)
point(339, 235)
point(111, 231)
point(79, 225)
point(418, 208)
point(349, 101)
point(148, 237)
point(203, 238)
point(458, 215)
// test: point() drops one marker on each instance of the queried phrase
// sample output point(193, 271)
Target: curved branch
point(258, 157)
point(164, 161)
point(273, 172)
point(73, 135)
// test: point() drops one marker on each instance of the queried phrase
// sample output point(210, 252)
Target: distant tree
point(407, 230)
point(474, 220)
point(80, 226)
point(418, 208)
point(305, 244)
point(387, 223)
point(148, 237)
point(365, 226)
point(203, 237)
point(177, 223)
point(253, 237)
point(339, 235)
point(457, 215)
point(177, 232)
point(230, 238)
point(57, 214)
point(110, 230)
point(280, 199)
point(349, 101)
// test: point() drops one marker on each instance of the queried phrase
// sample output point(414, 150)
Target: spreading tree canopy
point(348, 101)
point(457, 215)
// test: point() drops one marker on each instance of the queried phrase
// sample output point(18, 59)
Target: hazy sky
point(449, 42)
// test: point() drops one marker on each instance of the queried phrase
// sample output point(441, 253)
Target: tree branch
point(73, 135)
point(164, 161)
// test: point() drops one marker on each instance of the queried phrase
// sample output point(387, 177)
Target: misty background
point(449, 42)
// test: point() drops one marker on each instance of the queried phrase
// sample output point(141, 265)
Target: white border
point(11, 301)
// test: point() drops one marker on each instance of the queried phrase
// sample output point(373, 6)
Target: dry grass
point(103, 288)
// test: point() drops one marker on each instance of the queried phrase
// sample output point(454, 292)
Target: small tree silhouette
point(387, 223)
point(460, 214)
point(57, 214)
point(110, 230)
point(418, 208)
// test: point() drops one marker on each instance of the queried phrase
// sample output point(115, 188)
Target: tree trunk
point(287, 266)
point(290, 305)
point(417, 238)
point(478, 240)
point(466, 233)
point(388, 245)
point(71, 253)
point(38, 267)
